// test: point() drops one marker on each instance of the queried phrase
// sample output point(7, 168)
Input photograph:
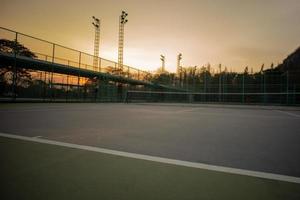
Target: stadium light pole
point(179, 58)
point(194, 76)
point(122, 22)
point(162, 58)
point(96, 24)
point(224, 82)
point(179, 69)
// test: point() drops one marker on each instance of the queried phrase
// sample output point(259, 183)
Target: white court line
point(288, 113)
point(30, 110)
point(187, 110)
point(160, 159)
point(39, 109)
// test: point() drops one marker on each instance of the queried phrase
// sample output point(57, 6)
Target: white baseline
point(160, 159)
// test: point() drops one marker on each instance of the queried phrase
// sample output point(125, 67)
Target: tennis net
point(133, 96)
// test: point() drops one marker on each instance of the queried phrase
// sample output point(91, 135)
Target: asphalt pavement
point(266, 140)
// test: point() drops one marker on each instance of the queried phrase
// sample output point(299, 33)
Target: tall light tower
point(162, 58)
point(179, 57)
point(122, 22)
point(96, 23)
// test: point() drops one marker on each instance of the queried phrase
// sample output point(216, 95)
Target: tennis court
point(164, 151)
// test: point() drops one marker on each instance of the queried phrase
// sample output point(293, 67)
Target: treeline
point(284, 77)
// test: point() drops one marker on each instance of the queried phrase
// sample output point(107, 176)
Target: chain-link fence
point(19, 82)
point(268, 87)
point(79, 80)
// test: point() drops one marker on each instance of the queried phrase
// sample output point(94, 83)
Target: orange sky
point(232, 32)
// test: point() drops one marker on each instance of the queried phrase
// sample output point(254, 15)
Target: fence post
point(265, 88)
point(220, 82)
point(68, 87)
point(243, 89)
point(205, 82)
point(287, 87)
point(45, 86)
point(295, 95)
point(262, 87)
point(224, 87)
point(51, 79)
point(14, 87)
point(99, 66)
point(78, 79)
point(116, 69)
point(98, 89)
point(205, 86)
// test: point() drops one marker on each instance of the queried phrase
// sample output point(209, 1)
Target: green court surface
point(31, 170)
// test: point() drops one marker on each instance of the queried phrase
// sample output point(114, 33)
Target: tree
point(6, 71)
point(13, 46)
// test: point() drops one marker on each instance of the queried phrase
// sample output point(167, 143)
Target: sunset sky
point(232, 32)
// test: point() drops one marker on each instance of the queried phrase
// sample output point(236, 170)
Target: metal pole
point(78, 80)
point(122, 22)
point(51, 80)
point(205, 85)
point(205, 81)
point(265, 89)
point(223, 86)
point(45, 84)
point(14, 89)
point(99, 67)
point(287, 87)
point(194, 75)
point(243, 100)
point(262, 86)
point(162, 58)
point(116, 69)
point(96, 24)
point(294, 94)
point(41, 87)
point(67, 95)
point(179, 57)
point(220, 82)
point(98, 88)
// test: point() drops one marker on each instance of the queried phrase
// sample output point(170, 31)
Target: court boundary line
point(287, 113)
point(220, 106)
point(230, 170)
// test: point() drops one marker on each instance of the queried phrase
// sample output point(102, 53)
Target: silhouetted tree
point(11, 47)
point(6, 71)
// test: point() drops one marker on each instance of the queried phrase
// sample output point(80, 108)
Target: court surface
point(250, 138)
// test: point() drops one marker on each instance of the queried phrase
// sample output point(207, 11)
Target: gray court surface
point(246, 137)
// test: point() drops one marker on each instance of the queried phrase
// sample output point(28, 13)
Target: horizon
point(247, 41)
